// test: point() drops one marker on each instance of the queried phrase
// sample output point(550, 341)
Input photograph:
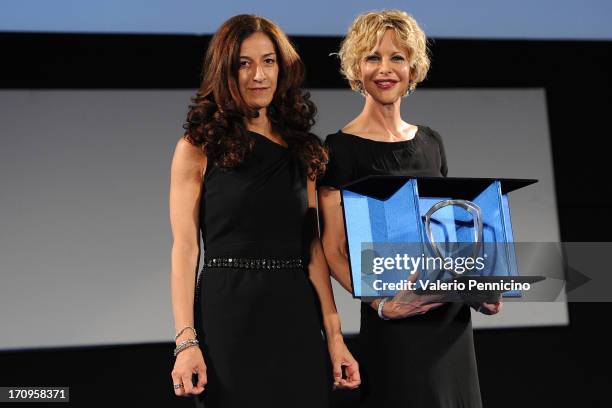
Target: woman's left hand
point(489, 308)
point(346, 368)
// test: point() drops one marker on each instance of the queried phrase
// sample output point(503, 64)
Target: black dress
point(426, 360)
point(260, 328)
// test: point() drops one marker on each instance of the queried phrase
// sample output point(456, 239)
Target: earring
point(360, 89)
point(411, 88)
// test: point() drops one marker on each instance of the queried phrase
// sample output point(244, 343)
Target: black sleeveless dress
point(260, 328)
point(423, 361)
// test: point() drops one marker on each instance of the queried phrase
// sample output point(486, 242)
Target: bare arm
point(187, 169)
point(319, 273)
point(319, 276)
point(334, 239)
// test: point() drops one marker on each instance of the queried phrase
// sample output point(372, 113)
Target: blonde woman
point(418, 353)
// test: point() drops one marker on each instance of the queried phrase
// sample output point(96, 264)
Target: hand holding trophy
point(407, 303)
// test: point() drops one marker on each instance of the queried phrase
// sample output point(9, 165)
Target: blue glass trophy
point(443, 228)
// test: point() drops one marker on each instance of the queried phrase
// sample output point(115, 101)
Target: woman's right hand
point(188, 362)
point(407, 303)
point(398, 308)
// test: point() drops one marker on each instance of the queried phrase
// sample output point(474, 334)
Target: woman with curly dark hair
point(249, 326)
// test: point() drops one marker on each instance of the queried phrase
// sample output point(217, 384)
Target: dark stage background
point(535, 367)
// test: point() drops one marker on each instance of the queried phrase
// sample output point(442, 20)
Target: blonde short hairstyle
point(367, 30)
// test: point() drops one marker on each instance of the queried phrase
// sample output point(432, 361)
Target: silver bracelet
point(177, 352)
point(185, 344)
point(183, 330)
point(381, 305)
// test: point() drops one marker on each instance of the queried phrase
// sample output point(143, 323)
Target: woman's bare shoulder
point(188, 157)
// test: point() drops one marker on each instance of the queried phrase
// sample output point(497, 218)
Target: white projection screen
point(84, 227)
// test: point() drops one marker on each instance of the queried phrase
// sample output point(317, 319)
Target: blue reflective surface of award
point(441, 228)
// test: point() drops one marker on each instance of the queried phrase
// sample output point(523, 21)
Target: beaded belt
point(253, 263)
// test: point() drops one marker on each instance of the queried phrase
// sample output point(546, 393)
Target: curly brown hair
point(216, 117)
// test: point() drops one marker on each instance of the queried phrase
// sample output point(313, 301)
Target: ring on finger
point(177, 386)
